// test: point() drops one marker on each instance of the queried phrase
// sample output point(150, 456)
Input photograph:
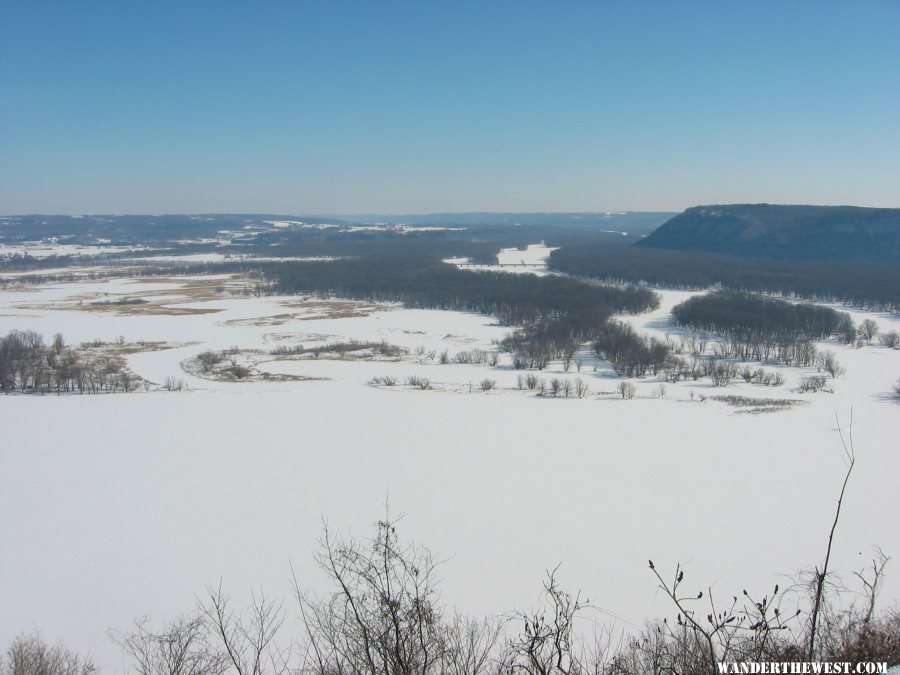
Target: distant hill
point(133, 229)
point(634, 222)
point(786, 232)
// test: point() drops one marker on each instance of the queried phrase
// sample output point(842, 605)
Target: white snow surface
point(47, 249)
point(531, 260)
point(221, 257)
point(535, 254)
point(115, 506)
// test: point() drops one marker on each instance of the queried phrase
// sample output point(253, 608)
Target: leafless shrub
point(812, 383)
point(721, 372)
point(344, 348)
point(891, 339)
point(746, 629)
point(487, 384)
point(384, 380)
point(237, 371)
point(757, 405)
point(765, 377)
point(417, 382)
point(548, 643)
point(209, 359)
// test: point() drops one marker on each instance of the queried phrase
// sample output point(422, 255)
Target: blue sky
point(410, 107)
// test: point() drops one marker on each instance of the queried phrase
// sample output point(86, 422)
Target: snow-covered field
point(220, 257)
point(39, 249)
point(530, 260)
point(114, 506)
point(535, 254)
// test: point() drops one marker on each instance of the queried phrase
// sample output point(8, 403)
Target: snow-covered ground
point(531, 260)
point(221, 257)
point(47, 249)
point(535, 254)
point(114, 506)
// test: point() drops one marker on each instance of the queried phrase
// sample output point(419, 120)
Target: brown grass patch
point(315, 310)
point(273, 320)
point(281, 377)
point(297, 337)
point(170, 301)
point(141, 347)
point(318, 308)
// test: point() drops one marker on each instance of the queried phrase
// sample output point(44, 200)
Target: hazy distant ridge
point(793, 232)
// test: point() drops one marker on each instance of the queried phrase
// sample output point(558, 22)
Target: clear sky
point(411, 107)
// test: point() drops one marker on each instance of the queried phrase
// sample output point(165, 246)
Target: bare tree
point(820, 575)
point(471, 646)
point(626, 390)
point(867, 330)
point(872, 584)
point(743, 630)
point(383, 616)
point(31, 655)
point(581, 388)
point(183, 647)
point(555, 386)
point(548, 643)
point(829, 363)
point(247, 640)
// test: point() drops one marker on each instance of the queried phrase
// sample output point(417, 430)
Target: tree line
point(758, 328)
point(874, 285)
point(754, 317)
point(29, 365)
point(553, 315)
point(513, 298)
